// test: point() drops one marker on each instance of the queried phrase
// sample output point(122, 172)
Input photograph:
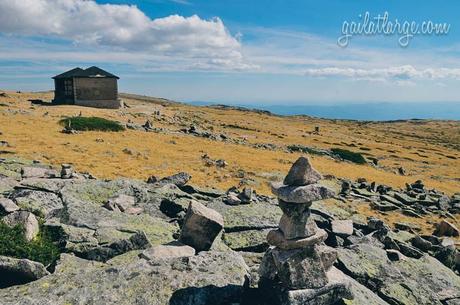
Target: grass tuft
point(91, 123)
point(40, 249)
point(349, 155)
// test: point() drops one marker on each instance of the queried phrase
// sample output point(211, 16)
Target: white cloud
point(400, 74)
point(123, 27)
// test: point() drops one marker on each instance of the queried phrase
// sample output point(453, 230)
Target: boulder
point(25, 219)
point(445, 228)
point(302, 173)
point(40, 202)
point(15, 271)
point(7, 206)
point(201, 226)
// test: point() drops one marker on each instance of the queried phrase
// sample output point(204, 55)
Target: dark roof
point(90, 72)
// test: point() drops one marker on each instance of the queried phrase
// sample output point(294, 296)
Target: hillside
point(257, 147)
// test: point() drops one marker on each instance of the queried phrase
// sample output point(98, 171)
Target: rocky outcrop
point(110, 255)
point(207, 278)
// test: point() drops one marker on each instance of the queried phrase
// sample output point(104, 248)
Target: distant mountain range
point(371, 111)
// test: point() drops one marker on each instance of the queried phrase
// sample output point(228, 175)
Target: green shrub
point(306, 149)
point(40, 249)
point(349, 155)
point(91, 123)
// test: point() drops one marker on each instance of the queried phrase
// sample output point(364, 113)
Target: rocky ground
point(108, 232)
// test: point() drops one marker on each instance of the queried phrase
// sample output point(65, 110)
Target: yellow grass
point(422, 149)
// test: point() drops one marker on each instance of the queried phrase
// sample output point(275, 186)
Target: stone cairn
point(298, 268)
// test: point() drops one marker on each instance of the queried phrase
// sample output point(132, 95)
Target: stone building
point(92, 87)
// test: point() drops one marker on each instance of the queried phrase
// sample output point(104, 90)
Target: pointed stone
point(301, 194)
point(302, 173)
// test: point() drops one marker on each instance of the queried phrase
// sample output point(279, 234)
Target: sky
point(247, 52)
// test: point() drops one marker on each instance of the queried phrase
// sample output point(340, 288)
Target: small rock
point(395, 255)
point(445, 228)
point(302, 173)
point(342, 227)
point(402, 171)
point(25, 219)
point(232, 199)
point(201, 226)
point(221, 163)
point(152, 179)
point(7, 206)
point(246, 195)
point(179, 179)
point(421, 243)
point(376, 224)
point(121, 202)
point(66, 171)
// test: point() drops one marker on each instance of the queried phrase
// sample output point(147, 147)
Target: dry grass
point(428, 150)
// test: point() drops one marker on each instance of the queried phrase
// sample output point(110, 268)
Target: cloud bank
point(125, 28)
point(400, 73)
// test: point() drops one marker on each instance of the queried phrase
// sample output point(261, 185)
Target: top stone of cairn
point(302, 173)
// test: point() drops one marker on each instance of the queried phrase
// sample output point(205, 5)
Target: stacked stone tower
point(295, 270)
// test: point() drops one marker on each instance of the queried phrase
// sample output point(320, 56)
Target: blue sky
point(270, 52)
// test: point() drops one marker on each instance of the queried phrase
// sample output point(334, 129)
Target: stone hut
point(92, 87)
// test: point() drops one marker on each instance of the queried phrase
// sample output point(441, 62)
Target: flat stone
point(302, 173)
point(342, 227)
point(179, 179)
point(391, 200)
point(404, 198)
point(445, 228)
point(201, 226)
point(37, 172)
point(383, 206)
point(276, 238)
point(329, 294)
point(7, 206)
point(170, 250)
point(301, 194)
point(25, 219)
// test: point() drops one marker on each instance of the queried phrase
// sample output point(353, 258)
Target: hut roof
point(90, 72)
